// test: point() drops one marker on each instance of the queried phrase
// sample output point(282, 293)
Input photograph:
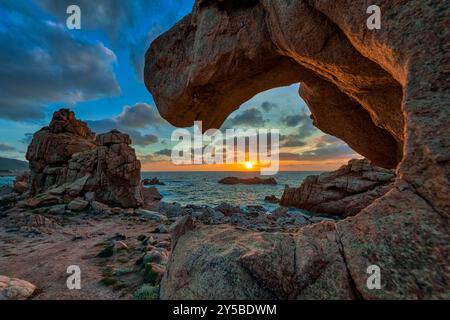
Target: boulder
point(151, 195)
point(152, 182)
point(180, 227)
point(68, 159)
point(100, 207)
point(271, 199)
point(157, 255)
point(228, 209)
point(15, 289)
point(21, 184)
point(78, 204)
point(43, 200)
point(57, 209)
point(171, 210)
point(223, 262)
point(255, 180)
point(151, 215)
point(343, 192)
point(120, 246)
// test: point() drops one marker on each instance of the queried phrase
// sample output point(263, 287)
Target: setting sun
point(249, 165)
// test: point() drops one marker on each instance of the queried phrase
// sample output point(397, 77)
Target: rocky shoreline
point(81, 191)
point(85, 205)
point(128, 264)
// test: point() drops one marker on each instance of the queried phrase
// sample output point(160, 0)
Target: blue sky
point(97, 72)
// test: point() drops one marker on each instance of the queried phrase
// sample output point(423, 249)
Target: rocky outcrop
point(271, 199)
point(21, 183)
point(343, 192)
point(384, 92)
point(228, 263)
point(15, 289)
point(255, 180)
point(152, 182)
point(67, 159)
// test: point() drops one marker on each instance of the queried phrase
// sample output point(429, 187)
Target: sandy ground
point(39, 249)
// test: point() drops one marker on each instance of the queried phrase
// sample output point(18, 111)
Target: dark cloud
point(142, 140)
point(4, 147)
point(164, 152)
point(324, 148)
point(292, 141)
point(161, 155)
point(133, 24)
point(326, 153)
point(267, 106)
point(132, 118)
point(41, 63)
point(249, 118)
point(106, 15)
point(304, 128)
point(140, 115)
point(329, 152)
point(295, 120)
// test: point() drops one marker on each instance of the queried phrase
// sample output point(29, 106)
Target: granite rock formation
point(384, 92)
point(67, 159)
point(343, 192)
point(15, 289)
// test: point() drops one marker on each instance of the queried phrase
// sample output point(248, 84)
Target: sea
point(203, 188)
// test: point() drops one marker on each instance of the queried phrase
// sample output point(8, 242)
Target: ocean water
point(202, 188)
point(7, 181)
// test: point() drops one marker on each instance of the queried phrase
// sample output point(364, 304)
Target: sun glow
point(249, 165)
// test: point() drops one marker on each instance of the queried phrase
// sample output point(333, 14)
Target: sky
point(97, 72)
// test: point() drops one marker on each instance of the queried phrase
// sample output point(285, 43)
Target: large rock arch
point(385, 92)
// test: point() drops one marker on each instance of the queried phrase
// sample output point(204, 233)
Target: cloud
point(164, 152)
point(304, 127)
point(326, 153)
point(41, 63)
point(267, 106)
point(139, 116)
point(250, 118)
point(292, 141)
point(132, 24)
point(326, 140)
point(142, 139)
point(158, 156)
point(295, 120)
point(324, 147)
point(107, 15)
point(4, 147)
point(131, 119)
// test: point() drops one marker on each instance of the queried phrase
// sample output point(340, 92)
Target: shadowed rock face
point(385, 92)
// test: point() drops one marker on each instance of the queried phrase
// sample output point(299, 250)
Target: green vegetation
point(107, 252)
point(108, 281)
point(147, 292)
